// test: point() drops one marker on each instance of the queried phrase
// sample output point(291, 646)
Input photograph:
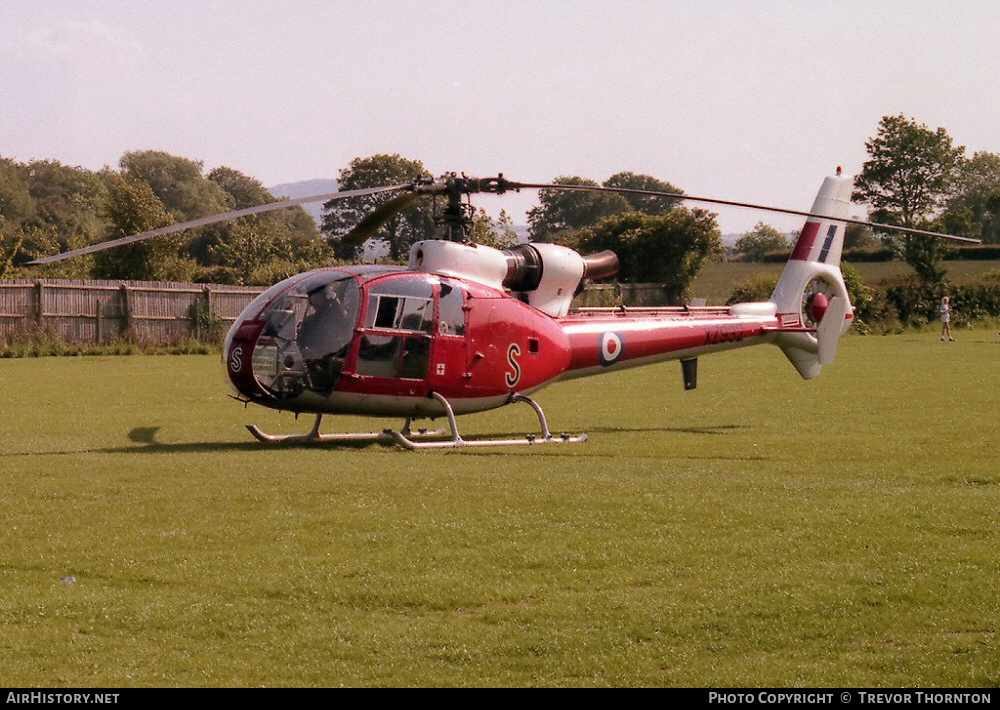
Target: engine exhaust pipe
point(601, 265)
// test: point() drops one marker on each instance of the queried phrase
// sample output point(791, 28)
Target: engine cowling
point(544, 275)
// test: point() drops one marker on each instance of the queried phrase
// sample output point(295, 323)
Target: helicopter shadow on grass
point(146, 436)
point(143, 441)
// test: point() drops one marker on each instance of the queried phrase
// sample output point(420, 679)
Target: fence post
point(126, 311)
point(99, 316)
point(205, 311)
point(39, 304)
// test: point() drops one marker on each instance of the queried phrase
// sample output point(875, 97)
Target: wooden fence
point(100, 311)
point(164, 313)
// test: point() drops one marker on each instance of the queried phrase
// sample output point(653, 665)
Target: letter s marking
point(514, 376)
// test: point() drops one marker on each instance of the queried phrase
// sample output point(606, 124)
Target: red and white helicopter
point(467, 328)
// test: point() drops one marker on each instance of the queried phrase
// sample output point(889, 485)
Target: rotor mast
point(456, 220)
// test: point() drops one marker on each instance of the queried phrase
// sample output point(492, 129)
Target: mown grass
point(758, 531)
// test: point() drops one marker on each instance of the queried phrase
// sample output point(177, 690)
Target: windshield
point(307, 335)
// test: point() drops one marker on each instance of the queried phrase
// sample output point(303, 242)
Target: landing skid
point(457, 441)
point(314, 435)
point(422, 438)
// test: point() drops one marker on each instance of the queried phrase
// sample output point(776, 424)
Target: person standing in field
point(946, 318)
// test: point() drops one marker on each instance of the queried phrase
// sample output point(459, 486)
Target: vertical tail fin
point(811, 292)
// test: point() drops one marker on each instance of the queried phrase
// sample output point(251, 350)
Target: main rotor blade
point(203, 221)
point(749, 205)
point(366, 228)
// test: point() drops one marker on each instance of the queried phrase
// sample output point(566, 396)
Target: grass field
point(758, 531)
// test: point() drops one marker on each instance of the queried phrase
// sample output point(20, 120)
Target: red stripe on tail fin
point(805, 243)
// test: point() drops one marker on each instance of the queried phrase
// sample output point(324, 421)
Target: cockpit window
point(401, 304)
point(452, 318)
point(328, 323)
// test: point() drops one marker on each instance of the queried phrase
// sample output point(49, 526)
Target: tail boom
point(609, 340)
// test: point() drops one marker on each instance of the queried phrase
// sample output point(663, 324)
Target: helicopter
point(466, 328)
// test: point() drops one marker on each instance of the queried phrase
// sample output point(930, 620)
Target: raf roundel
point(611, 349)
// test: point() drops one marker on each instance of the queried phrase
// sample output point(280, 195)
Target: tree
point(648, 204)
point(497, 233)
point(859, 236)
point(185, 193)
point(759, 241)
point(906, 181)
point(46, 208)
point(133, 207)
point(16, 205)
point(669, 248)
point(9, 246)
point(561, 213)
point(400, 232)
point(290, 223)
point(69, 199)
point(974, 209)
point(246, 245)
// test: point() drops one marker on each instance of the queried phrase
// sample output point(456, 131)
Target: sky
point(750, 101)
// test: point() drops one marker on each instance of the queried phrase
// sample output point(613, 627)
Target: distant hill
point(304, 188)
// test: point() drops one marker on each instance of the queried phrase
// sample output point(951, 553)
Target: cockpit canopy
point(307, 327)
point(307, 332)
